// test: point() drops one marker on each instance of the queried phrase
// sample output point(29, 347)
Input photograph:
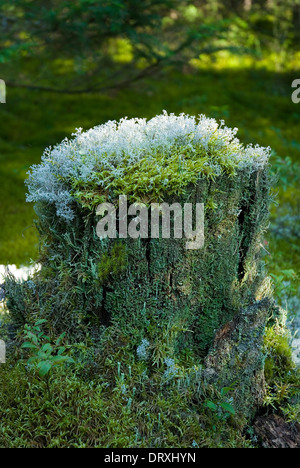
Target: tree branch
point(94, 89)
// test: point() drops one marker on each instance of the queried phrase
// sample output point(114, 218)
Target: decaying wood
point(274, 432)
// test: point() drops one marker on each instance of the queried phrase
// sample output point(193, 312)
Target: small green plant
point(45, 356)
point(221, 406)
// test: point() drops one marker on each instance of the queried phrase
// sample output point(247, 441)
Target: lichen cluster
point(142, 159)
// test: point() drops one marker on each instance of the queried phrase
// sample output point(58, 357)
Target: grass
point(256, 101)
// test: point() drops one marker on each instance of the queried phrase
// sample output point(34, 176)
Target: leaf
point(61, 351)
point(32, 337)
point(44, 368)
point(61, 359)
point(46, 348)
point(225, 390)
point(40, 322)
point(60, 339)
point(29, 346)
point(227, 407)
point(211, 405)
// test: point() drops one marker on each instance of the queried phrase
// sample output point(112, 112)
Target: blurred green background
point(83, 62)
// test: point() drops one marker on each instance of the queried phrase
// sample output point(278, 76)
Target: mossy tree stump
point(153, 289)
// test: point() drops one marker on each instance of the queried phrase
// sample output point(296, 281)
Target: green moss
point(269, 369)
point(236, 359)
point(112, 263)
point(277, 343)
point(109, 398)
point(153, 177)
point(282, 375)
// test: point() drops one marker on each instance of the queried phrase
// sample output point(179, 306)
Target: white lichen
point(109, 146)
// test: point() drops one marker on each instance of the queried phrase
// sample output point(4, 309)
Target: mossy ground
point(112, 398)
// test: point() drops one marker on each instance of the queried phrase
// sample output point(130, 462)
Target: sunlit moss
point(121, 50)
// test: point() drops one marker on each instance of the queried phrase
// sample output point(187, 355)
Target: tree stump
point(154, 287)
